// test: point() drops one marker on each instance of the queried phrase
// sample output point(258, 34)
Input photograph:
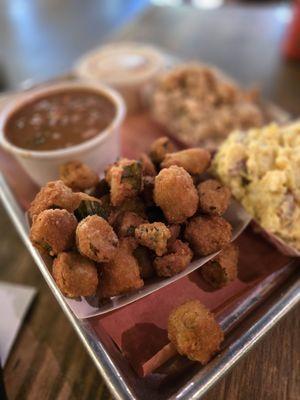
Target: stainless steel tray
point(245, 326)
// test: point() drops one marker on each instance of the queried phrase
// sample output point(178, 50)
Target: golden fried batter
point(159, 148)
point(194, 332)
point(175, 194)
point(214, 198)
point(53, 231)
point(127, 222)
point(194, 161)
point(154, 236)
point(78, 176)
point(176, 261)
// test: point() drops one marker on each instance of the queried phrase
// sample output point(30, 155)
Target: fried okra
point(89, 205)
point(122, 274)
point(125, 180)
point(78, 176)
point(175, 194)
point(154, 236)
point(194, 161)
point(127, 222)
point(159, 148)
point(194, 332)
point(144, 259)
point(148, 168)
point(223, 268)
point(208, 234)
point(214, 198)
point(75, 275)
point(96, 239)
point(53, 231)
point(176, 261)
point(54, 195)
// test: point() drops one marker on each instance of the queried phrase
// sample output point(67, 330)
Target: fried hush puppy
point(175, 261)
point(78, 176)
point(54, 195)
point(207, 234)
point(214, 198)
point(223, 268)
point(125, 180)
point(194, 332)
point(122, 274)
point(175, 194)
point(154, 236)
point(148, 168)
point(53, 231)
point(159, 148)
point(96, 239)
point(195, 161)
point(127, 222)
point(75, 275)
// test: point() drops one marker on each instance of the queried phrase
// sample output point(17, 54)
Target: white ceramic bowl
point(97, 152)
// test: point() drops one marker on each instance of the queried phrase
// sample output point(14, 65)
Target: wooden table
point(48, 361)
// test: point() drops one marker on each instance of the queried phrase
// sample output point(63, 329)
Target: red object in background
point(291, 45)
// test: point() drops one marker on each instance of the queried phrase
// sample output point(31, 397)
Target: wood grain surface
point(48, 361)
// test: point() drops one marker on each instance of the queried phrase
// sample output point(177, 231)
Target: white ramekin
point(102, 149)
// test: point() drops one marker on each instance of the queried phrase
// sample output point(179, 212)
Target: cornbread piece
point(159, 148)
point(78, 176)
point(127, 222)
point(54, 195)
point(154, 236)
point(53, 231)
point(176, 261)
point(144, 259)
point(208, 234)
point(194, 161)
point(75, 275)
point(96, 239)
point(223, 268)
point(122, 273)
point(214, 198)
point(148, 167)
point(194, 332)
point(175, 194)
point(125, 180)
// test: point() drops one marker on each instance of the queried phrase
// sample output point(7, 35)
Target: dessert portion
point(200, 106)
point(261, 167)
point(146, 218)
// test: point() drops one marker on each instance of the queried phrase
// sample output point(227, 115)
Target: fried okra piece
point(78, 176)
point(96, 239)
point(176, 261)
point(53, 231)
point(89, 205)
point(195, 161)
point(127, 222)
point(214, 198)
point(75, 275)
point(223, 268)
point(144, 259)
point(122, 274)
point(125, 180)
point(54, 195)
point(175, 232)
point(194, 331)
point(208, 234)
point(159, 148)
point(155, 236)
point(148, 168)
point(175, 194)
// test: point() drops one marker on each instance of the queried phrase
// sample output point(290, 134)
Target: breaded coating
point(144, 258)
point(159, 148)
point(125, 180)
point(148, 189)
point(96, 239)
point(223, 268)
point(194, 332)
point(175, 232)
point(53, 231)
point(154, 236)
point(127, 222)
point(122, 274)
point(54, 195)
point(75, 275)
point(148, 167)
point(175, 194)
point(194, 161)
point(176, 261)
point(214, 198)
point(208, 234)
point(78, 176)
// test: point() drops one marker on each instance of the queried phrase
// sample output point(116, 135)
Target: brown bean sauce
point(60, 120)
